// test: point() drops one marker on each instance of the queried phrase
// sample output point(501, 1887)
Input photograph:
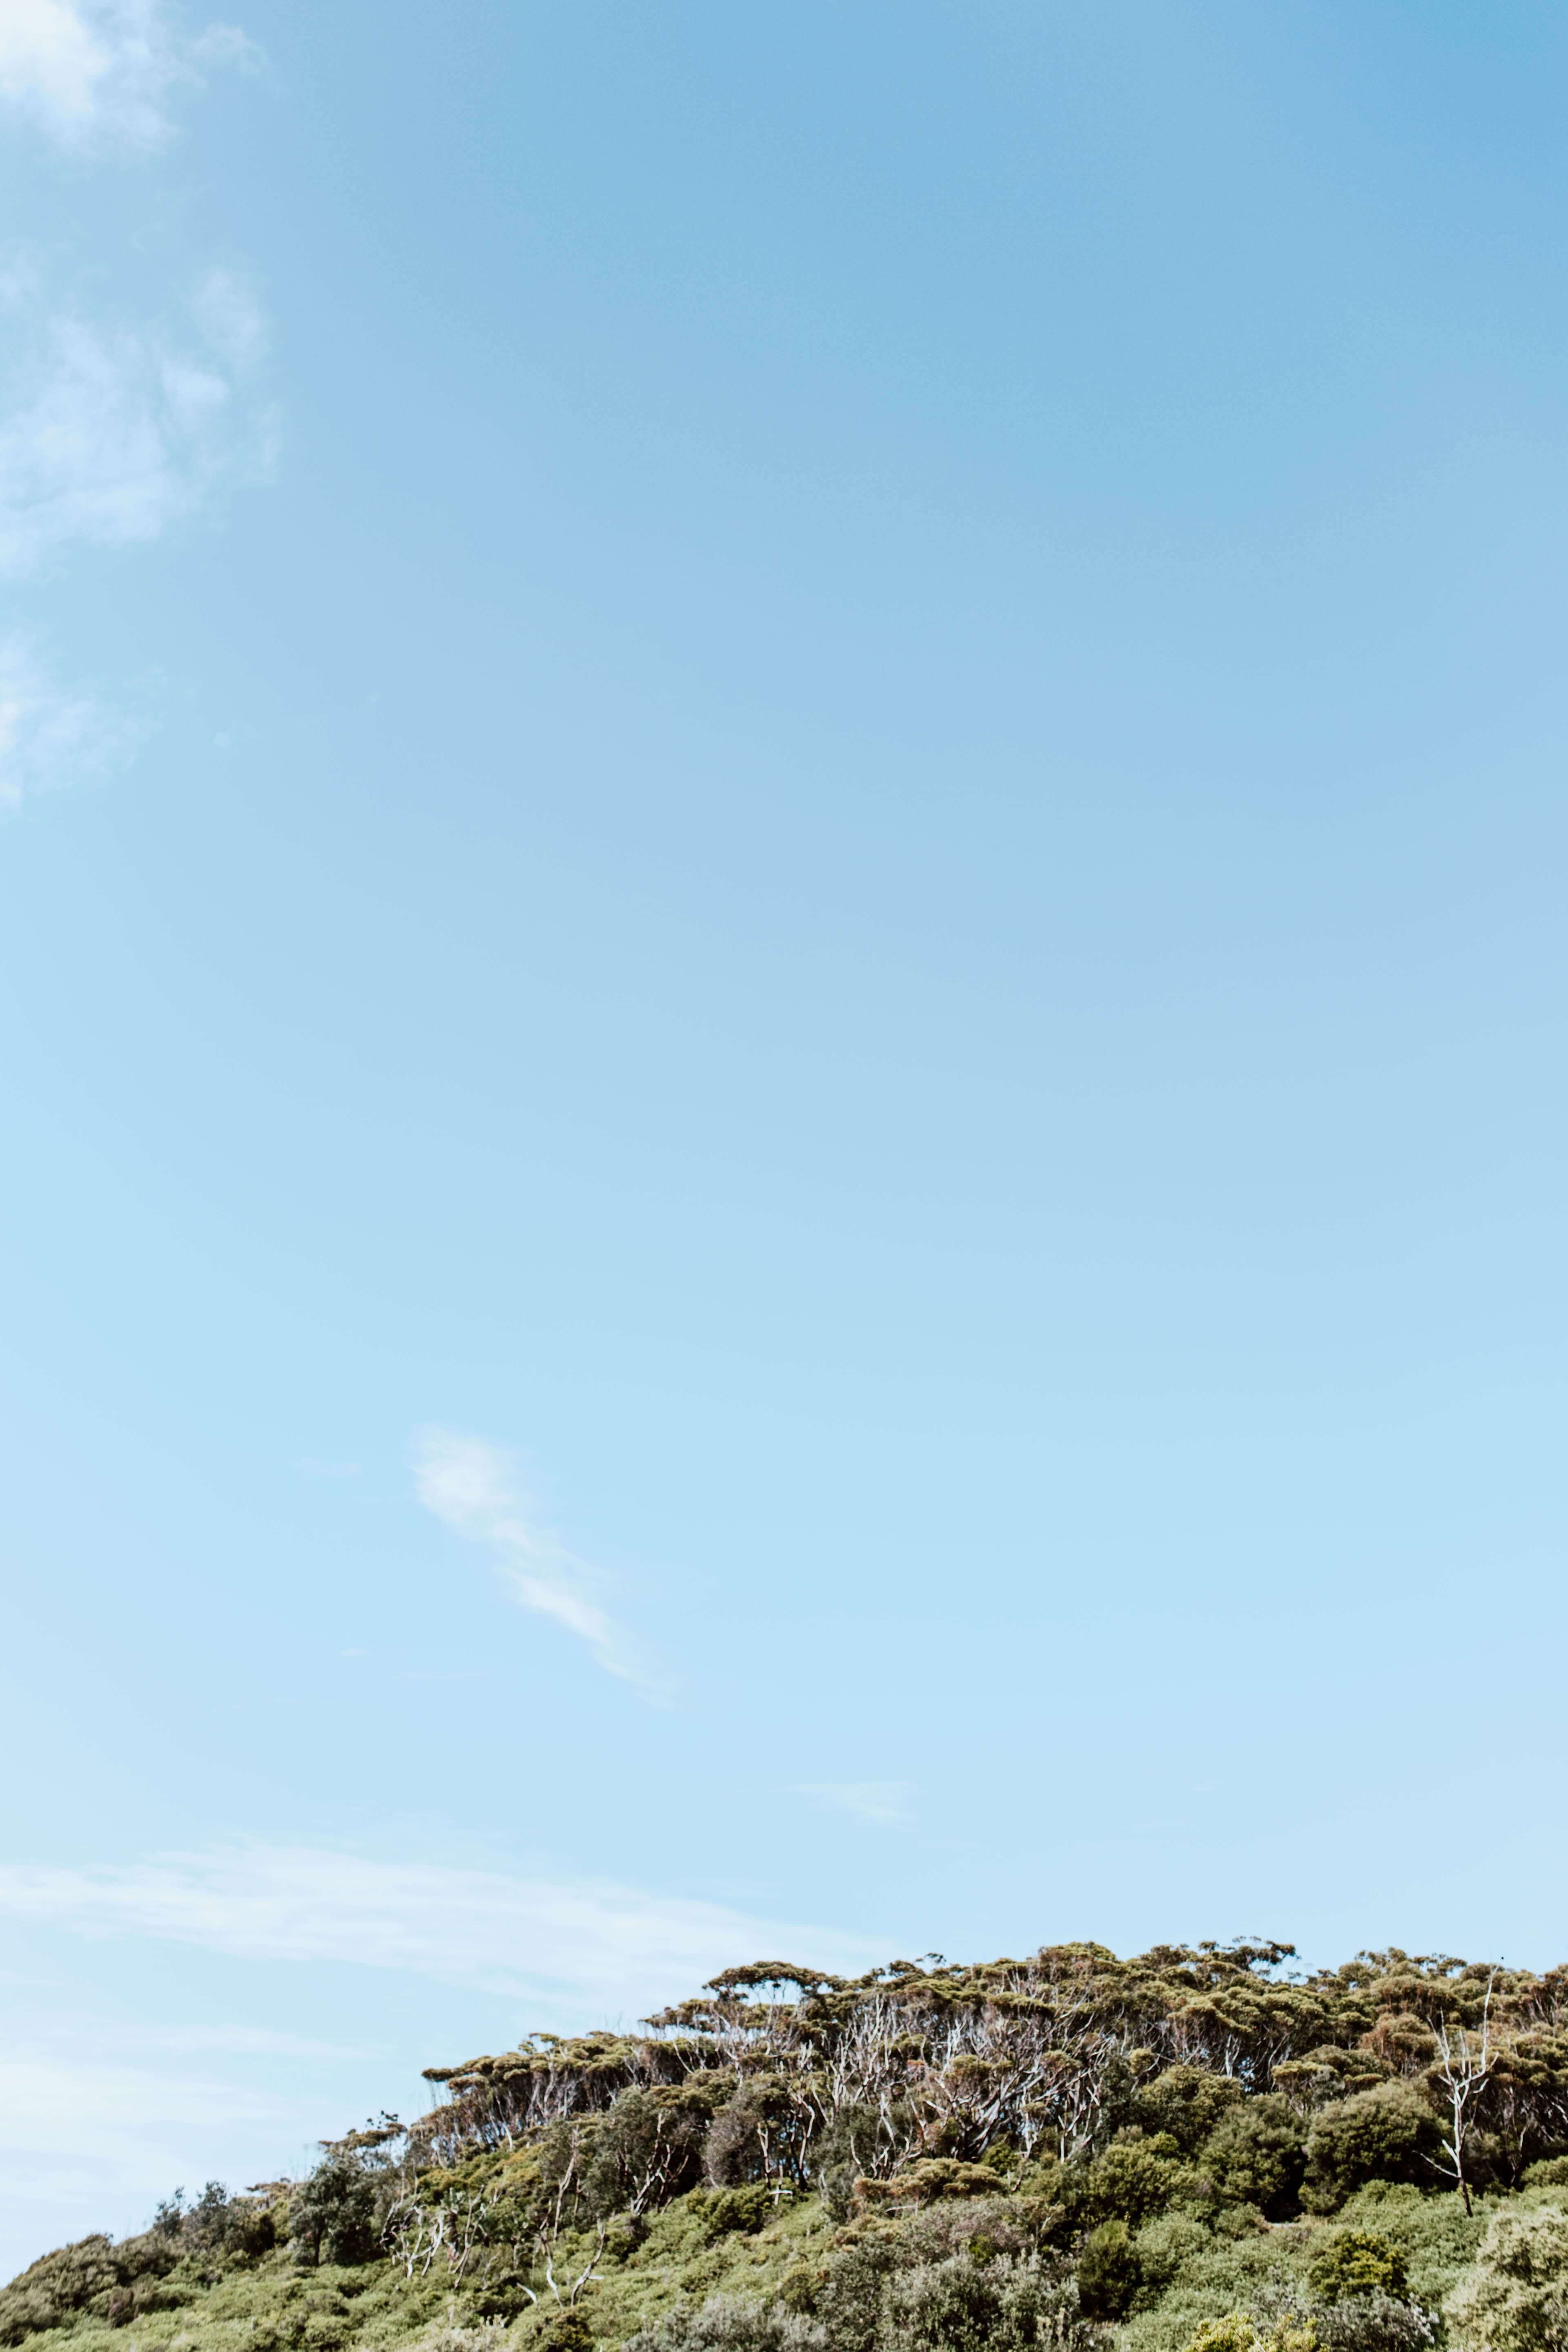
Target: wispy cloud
point(100, 2116)
point(881, 1803)
point(95, 71)
point(473, 1488)
point(109, 434)
point(111, 431)
point(581, 1950)
point(50, 734)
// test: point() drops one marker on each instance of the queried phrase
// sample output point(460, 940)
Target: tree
point(1108, 2272)
point(1257, 2155)
point(1387, 2134)
point(1460, 2075)
point(332, 2213)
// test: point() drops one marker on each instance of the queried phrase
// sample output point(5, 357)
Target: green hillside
point(1195, 2147)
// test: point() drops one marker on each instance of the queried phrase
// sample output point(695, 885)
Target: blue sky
point(781, 908)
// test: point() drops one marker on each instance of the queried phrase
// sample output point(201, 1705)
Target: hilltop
point(1198, 2149)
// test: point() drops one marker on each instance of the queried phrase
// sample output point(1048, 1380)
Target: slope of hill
point(1196, 2147)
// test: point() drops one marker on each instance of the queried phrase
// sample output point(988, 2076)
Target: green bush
point(1356, 2261)
point(728, 2324)
point(722, 2212)
point(1108, 2272)
point(1133, 2180)
point(852, 2145)
point(1516, 2297)
point(1256, 2156)
point(332, 2214)
point(1236, 2332)
point(1374, 2322)
point(1188, 2102)
point(1385, 2134)
point(1165, 2246)
point(962, 2305)
point(95, 2278)
point(848, 2299)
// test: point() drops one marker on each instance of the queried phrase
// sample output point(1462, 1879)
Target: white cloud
point(879, 1802)
point(473, 1488)
point(109, 434)
point(49, 734)
point(91, 70)
point(578, 1949)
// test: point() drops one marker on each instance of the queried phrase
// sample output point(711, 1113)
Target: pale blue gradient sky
point(782, 1021)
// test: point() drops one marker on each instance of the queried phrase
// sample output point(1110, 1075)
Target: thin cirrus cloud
point(52, 734)
point(882, 1804)
point(98, 2120)
point(581, 1950)
point(90, 71)
point(110, 434)
point(473, 1488)
point(111, 431)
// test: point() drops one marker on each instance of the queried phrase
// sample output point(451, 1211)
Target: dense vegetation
point(1197, 2151)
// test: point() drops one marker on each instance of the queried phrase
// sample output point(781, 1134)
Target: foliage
point(338, 2211)
point(962, 2305)
point(1256, 2156)
point(1189, 2104)
point(1385, 2134)
point(1249, 2331)
point(1516, 2298)
point(1193, 2146)
point(727, 2324)
point(1356, 2261)
point(1108, 2271)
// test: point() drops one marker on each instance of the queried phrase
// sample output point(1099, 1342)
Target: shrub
point(952, 2307)
point(1256, 2156)
point(1376, 2323)
point(964, 2305)
point(94, 2276)
point(852, 2146)
point(725, 2212)
point(1188, 2102)
point(1133, 2180)
point(217, 2226)
point(1246, 2331)
point(1356, 2261)
point(332, 2213)
point(934, 2177)
point(1237, 2331)
point(563, 2331)
point(450, 2337)
point(727, 2322)
point(1108, 2272)
point(1162, 2247)
point(1516, 2297)
point(848, 2296)
point(1385, 2134)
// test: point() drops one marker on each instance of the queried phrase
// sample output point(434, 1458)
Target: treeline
point(931, 2157)
point(1438, 2068)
